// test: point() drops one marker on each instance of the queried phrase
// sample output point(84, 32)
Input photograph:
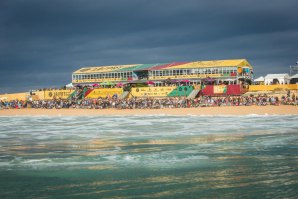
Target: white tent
point(283, 78)
point(69, 85)
point(294, 76)
point(259, 79)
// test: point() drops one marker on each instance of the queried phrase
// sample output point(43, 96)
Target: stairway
point(193, 94)
point(124, 95)
point(72, 95)
point(87, 92)
point(81, 95)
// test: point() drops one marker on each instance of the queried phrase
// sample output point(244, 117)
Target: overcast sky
point(43, 42)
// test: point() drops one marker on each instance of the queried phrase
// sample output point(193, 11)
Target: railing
point(193, 94)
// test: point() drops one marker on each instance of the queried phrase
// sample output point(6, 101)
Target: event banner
point(38, 95)
point(181, 91)
point(220, 89)
point(152, 91)
point(104, 92)
point(57, 94)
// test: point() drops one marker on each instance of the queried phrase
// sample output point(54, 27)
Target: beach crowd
point(152, 103)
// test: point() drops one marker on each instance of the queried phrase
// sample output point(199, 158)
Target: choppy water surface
point(149, 156)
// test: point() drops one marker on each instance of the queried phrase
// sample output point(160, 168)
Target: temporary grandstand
point(161, 80)
point(236, 71)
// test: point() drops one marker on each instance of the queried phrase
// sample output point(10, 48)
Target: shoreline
point(212, 111)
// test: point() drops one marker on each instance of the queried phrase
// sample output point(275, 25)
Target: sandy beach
point(241, 110)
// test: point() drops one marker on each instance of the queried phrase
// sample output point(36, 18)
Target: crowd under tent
point(294, 79)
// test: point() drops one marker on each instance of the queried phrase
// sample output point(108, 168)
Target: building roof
point(282, 75)
point(215, 63)
point(165, 66)
point(294, 76)
point(103, 69)
point(140, 67)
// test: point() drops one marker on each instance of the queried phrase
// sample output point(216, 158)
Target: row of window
point(155, 73)
point(224, 70)
point(121, 75)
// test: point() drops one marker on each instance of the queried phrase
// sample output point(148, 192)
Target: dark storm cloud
point(43, 42)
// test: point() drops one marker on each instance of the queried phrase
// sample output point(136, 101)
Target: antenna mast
point(294, 69)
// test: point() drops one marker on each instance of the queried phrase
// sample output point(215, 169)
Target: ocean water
point(157, 156)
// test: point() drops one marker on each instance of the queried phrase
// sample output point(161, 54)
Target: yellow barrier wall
point(152, 91)
point(39, 95)
point(14, 96)
point(104, 92)
point(273, 87)
point(57, 94)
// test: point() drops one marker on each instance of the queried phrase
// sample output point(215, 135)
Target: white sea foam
point(147, 141)
point(36, 161)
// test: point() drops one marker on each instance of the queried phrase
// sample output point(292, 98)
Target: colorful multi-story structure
point(229, 71)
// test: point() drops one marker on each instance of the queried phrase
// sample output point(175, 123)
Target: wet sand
point(234, 110)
